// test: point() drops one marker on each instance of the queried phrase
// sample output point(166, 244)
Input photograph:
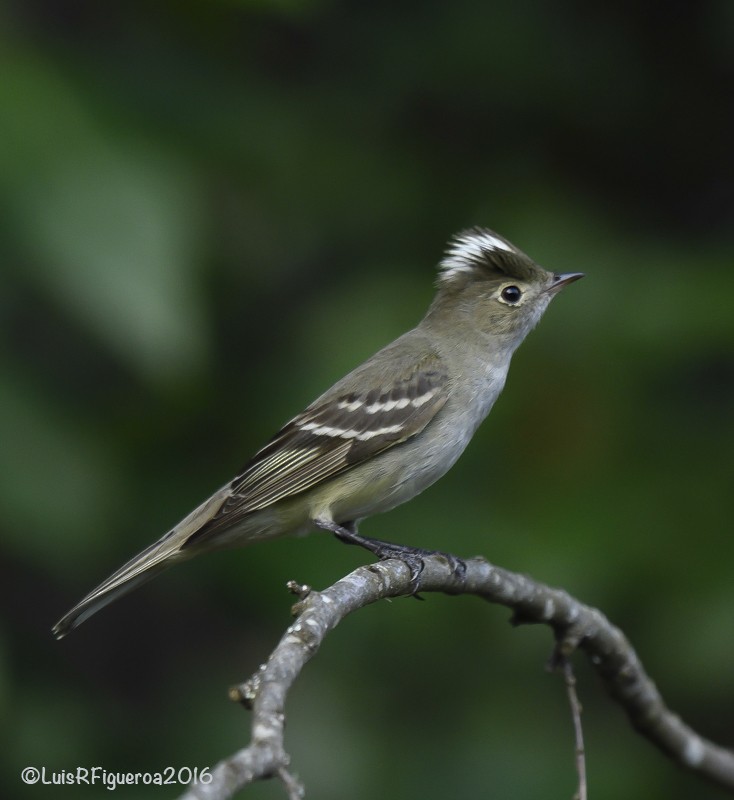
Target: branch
point(570, 679)
point(576, 626)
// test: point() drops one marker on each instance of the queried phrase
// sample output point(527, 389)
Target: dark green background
point(210, 211)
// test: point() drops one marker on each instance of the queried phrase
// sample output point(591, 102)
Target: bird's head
point(495, 285)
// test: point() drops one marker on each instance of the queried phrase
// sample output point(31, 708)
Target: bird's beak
point(563, 279)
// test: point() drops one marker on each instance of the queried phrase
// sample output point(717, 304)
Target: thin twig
point(573, 700)
point(295, 789)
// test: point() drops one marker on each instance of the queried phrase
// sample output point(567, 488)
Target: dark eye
point(511, 294)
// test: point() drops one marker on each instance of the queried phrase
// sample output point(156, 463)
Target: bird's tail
point(144, 566)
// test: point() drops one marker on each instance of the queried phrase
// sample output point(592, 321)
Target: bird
point(380, 435)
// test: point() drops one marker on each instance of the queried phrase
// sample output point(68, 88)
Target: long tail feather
point(141, 568)
point(144, 566)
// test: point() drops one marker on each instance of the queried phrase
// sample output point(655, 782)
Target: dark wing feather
point(332, 435)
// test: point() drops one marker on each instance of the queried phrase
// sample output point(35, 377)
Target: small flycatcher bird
point(380, 435)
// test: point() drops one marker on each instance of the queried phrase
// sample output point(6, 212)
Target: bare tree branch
point(576, 626)
point(563, 664)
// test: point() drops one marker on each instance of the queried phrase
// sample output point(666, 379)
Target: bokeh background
point(210, 211)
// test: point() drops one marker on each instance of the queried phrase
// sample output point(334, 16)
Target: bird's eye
point(511, 294)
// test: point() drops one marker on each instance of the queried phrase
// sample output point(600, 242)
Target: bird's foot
point(412, 557)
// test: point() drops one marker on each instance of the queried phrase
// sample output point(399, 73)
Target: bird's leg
point(411, 556)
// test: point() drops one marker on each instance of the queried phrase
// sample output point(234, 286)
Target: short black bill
point(563, 279)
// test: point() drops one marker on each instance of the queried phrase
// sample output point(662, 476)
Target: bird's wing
point(335, 433)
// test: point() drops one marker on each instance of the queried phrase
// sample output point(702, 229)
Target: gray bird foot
point(412, 557)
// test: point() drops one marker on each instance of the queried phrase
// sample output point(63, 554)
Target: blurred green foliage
point(211, 210)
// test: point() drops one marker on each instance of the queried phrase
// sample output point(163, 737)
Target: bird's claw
point(412, 557)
